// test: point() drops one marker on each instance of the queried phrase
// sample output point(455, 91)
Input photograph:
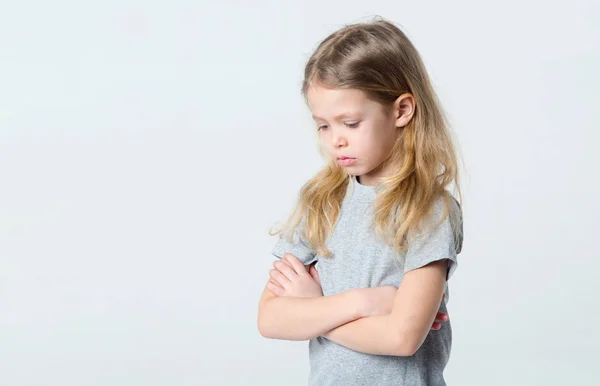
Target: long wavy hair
point(379, 59)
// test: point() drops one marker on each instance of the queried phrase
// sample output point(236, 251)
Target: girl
point(376, 231)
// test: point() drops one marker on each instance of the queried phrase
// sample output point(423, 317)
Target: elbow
point(405, 345)
point(262, 323)
point(265, 326)
point(408, 350)
point(270, 325)
point(403, 351)
point(273, 330)
point(269, 328)
point(263, 329)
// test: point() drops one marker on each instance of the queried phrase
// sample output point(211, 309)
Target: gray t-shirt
point(360, 260)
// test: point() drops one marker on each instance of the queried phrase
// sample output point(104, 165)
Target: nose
point(339, 140)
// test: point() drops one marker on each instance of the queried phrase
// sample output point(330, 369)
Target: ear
point(404, 109)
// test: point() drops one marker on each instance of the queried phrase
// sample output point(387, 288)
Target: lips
point(346, 161)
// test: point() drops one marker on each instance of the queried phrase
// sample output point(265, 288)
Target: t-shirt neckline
point(363, 192)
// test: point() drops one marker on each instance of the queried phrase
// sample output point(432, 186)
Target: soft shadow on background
point(147, 148)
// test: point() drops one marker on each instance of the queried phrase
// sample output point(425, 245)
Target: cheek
point(378, 140)
point(388, 134)
point(379, 145)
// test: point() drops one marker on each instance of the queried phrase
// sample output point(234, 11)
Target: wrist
point(357, 303)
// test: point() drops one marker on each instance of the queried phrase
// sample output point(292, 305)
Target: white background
point(146, 148)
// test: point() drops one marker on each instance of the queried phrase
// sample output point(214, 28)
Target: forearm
point(295, 318)
point(402, 331)
point(378, 335)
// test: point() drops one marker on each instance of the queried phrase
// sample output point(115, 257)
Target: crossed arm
point(354, 318)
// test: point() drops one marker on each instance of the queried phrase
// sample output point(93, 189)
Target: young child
point(367, 253)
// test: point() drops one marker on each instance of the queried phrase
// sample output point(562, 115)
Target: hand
point(314, 273)
point(440, 318)
point(380, 301)
point(291, 278)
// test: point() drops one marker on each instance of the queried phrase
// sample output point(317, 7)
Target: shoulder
point(445, 208)
point(439, 237)
point(443, 223)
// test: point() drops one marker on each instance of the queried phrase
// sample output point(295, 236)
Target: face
point(351, 125)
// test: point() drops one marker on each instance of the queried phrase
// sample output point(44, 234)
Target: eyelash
point(352, 125)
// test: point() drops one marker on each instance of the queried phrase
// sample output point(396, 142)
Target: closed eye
point(350, 125)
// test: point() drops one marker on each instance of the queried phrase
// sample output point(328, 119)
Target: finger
point(314, 274)
point(279, 278)
point(275, 289)
point(283, 260)
point(442, 316)
point(285, 269)
point(436, 326)
point(295, 263)
point(274, 283)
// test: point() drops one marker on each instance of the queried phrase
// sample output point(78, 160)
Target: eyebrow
point(339, 116)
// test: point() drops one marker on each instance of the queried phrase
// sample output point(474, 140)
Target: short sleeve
point(441, 243)
point(298, 247)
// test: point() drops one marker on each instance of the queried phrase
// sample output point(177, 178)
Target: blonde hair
point(378, 58)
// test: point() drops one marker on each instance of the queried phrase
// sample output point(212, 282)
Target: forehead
point(329, 102)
